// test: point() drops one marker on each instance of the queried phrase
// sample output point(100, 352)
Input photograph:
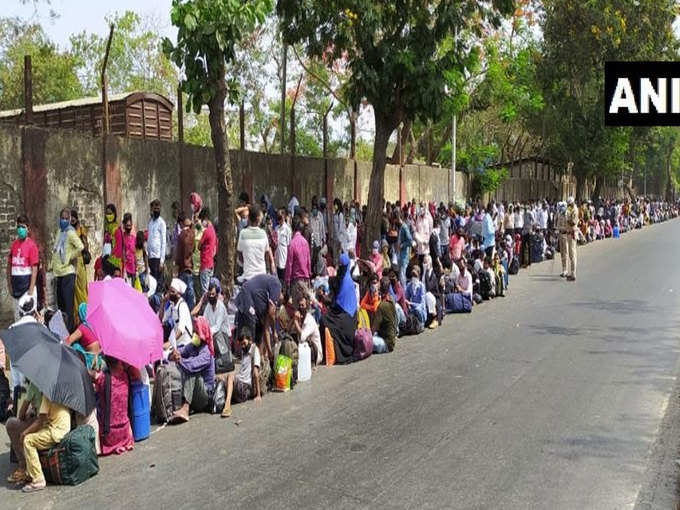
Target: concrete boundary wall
point(42, 171)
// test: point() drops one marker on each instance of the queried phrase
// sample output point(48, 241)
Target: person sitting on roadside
point(214, 311)
point(196, 361)
point(50, 427)
point(85, 336)
point(384, 323)
point(457, 245)
point(488, 269)
point(15, 428)
point(415, 296)
point(176, 317)
point(433, 293)
point(308, 330)
point(244, 385)
point(371, 298)
point(464, 281)
point(398, 296)
point(341, 317)
point(115, 429)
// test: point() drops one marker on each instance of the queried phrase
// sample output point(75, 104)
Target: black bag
point(224, 361)
point(514, 266)
point(412, 326)
point(5, 398)
point(73, 460)
point(219, 397)
point(87, 257)
point(484, 285)
point(536, 248)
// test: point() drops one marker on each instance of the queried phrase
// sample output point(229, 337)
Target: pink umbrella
point(126, 326)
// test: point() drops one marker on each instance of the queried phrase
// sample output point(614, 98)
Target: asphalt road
point(551, 398)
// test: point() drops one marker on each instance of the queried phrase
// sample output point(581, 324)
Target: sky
point(74, 16)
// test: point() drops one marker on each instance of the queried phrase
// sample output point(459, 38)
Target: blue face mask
point(64, 224)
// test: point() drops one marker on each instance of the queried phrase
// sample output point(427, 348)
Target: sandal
point(33, 487)
point(18, 476)
point(178, 418)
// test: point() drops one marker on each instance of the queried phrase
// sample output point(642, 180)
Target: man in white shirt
point(308, 330)
point(215, 312)
point(253, 247)
point(245, 384)
point(284, 234)
point(156, 244)
point(177, 316)
point(464, 280)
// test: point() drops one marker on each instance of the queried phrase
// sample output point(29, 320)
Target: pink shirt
point(130, 262)
point(298, 262)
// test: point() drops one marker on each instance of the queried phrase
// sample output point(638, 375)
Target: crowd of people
point(310, 286)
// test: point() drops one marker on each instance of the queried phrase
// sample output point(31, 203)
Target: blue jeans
point(401, 316)
point(379, 345)
point(403, 264)
point(189, 295)
point(205, 276)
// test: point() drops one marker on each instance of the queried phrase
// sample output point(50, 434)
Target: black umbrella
point(54, 368)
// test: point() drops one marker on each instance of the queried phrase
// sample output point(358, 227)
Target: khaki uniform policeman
point(572, 225)
point(561, 226)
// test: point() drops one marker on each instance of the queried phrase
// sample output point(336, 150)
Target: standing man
point(156, 244)
point(298, 265)
point(253, 247)
point(208, 249)
point(405, 242)
point(22, 266)
point(183, 258)
point(488, 232)
point(283, 235)
point(572, 225)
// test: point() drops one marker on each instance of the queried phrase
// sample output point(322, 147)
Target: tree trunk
point(226, 227)
point(376, 189)
point(352, 134)
point(580, 187)
point(669, 180)
point(282, 120)
point(401, 143)
point(597, 191)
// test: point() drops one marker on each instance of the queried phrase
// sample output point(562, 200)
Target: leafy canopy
point(208, 31)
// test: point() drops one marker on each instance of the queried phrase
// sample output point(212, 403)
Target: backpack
point(484, 285)
point(458, 303)
point(4, 397)
point(514, 266)
point(73, 460)
point(167, 392)
point(224, 361)
point(412, 326)
point(363, 338)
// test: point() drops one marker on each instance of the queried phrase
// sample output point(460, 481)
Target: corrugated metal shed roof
point(84, 101)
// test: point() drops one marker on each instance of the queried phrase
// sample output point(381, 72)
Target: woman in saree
point(110, 227)
point(80, 291)
point(341, 318)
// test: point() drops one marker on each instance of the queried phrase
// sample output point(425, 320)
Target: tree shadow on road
point(624, 306)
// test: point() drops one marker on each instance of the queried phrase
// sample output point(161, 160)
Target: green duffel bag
point(73, 460)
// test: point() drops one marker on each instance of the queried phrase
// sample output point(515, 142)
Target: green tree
point(578, 37)
point(401, 55)
point(54, 76)
point(136, 61)
point(208, 31)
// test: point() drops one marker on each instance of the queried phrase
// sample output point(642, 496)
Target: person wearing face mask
point(156, 244)
point(124, 249)
point(377, 259)
point(318, 228)
point(371, 299)
point(64, 258)
point(207, 248)
point(307, 330)
point(433, 293)
point(415, 296)
point(196, 361)
point(110, 227)
point(80, 292)
point(215, 312)
point(22, 265)
point(176, 316)
point(339, 230)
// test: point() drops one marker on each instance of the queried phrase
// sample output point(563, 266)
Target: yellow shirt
point(72, 247)
point(58, 418)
